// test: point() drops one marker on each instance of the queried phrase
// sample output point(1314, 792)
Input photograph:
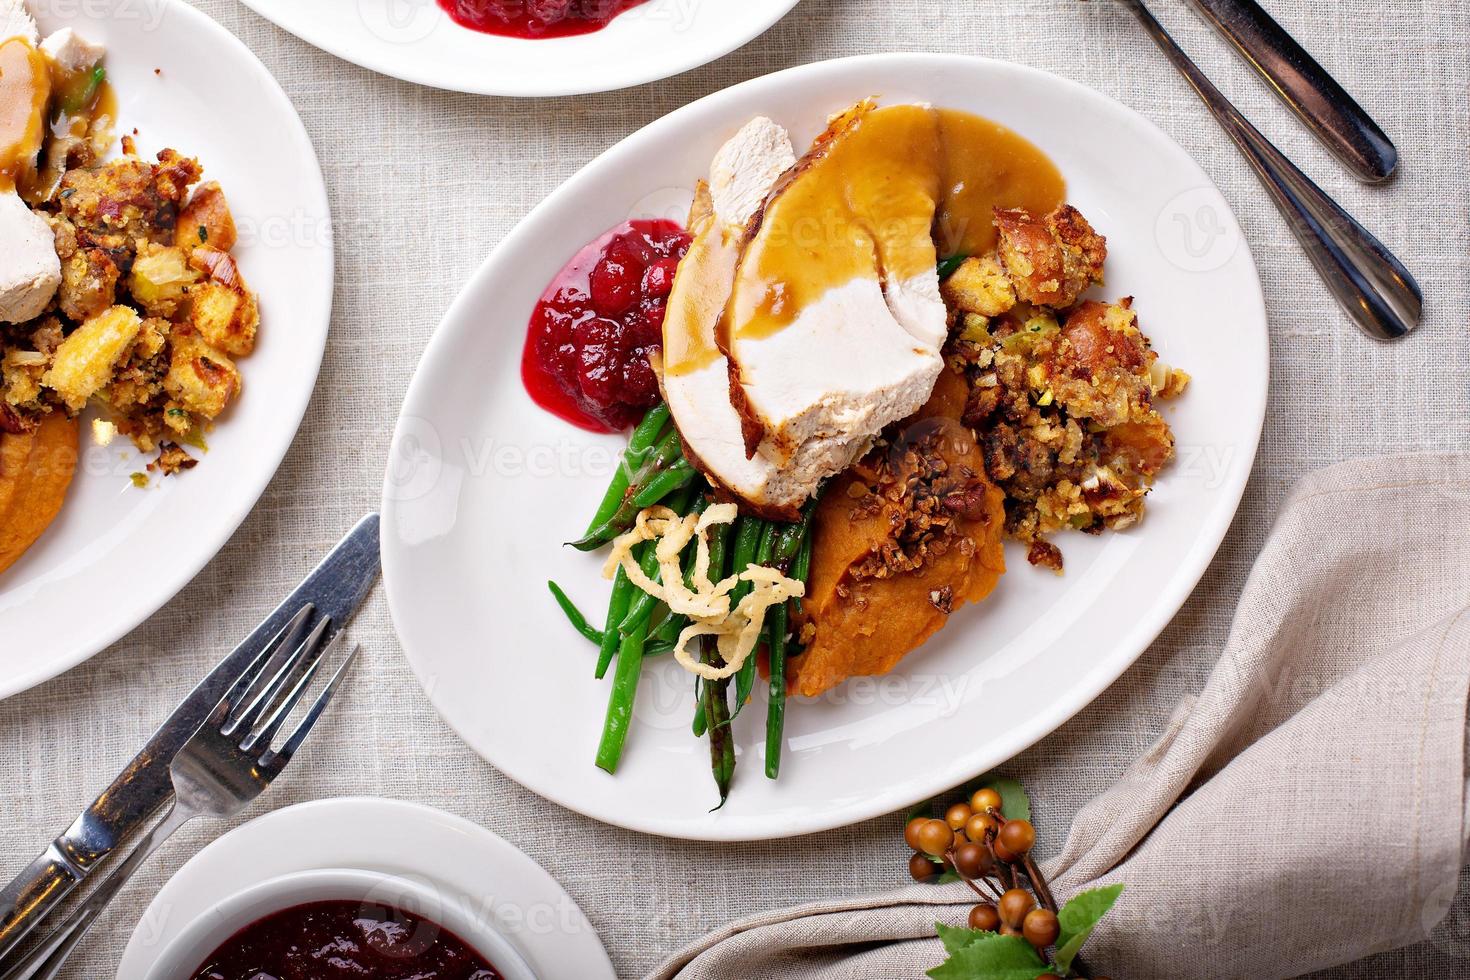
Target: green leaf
point(956, 938)
point(1079, 917)
point(991, 956)
point(1014, 802)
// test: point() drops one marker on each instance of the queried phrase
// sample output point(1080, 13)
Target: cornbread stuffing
point(151, 310)
point(1062, 393)
point(117, 289)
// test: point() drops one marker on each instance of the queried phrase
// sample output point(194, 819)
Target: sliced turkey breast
point(16, 21)
point(696, 377)
point(835, 322)
point(30, 272)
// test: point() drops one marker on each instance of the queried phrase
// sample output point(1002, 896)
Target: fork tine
point(246, 720)
point(282, 645)
point(261, 663)
point(267, 732)
point(302, 730)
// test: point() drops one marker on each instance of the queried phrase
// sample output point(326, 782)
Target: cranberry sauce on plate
point(342, 940)
point(587, 347)
point(535, 18)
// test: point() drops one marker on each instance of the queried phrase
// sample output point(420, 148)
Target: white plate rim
point(961, 768)
point(290, 18)
point(343, 811)
point(294, 406)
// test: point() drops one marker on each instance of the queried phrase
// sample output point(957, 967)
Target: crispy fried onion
point(736, 630)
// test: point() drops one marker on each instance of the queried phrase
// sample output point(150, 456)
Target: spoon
point(1324, 106)
point(1371, 284)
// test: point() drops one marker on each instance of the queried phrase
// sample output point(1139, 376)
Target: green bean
point(745, 677)
point(946, 266)
point(712, 713)
point(776, 707)
point(574, 615)
point(653, 647)
point(665, 483)
point(716, 707)
point(641, 606)
point(719, 539)
point(648, 431)
point(665, 453)
point(620, 701)
point(630, 664)
point(639, 444)
point(668, 631)
point(617, 605)
point(81, 98)
point(747, 539)
point(788, 542)
point(783, 553)
point(700, 725)
point(801, 566)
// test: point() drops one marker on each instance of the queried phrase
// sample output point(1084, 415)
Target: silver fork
point(227, 763)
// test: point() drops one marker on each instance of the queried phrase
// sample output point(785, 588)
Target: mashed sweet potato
point(901, 540)
point(36, 468)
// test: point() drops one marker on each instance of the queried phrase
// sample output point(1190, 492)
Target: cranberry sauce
point(587, 347)
point(341, 940)
point(535, 18)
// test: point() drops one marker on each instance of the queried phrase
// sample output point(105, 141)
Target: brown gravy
point(886, 193)
point(81, 105)
point(25, 87)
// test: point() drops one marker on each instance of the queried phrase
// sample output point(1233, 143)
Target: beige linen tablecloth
point(1306, 808)
point(424, 183)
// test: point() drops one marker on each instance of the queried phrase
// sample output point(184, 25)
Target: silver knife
point(1332, 115)
point(335, 589)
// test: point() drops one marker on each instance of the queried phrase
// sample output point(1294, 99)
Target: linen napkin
point(1306, 809)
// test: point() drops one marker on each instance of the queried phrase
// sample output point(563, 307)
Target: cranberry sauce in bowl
point(338, 940)
point(591, 334)
point(535, 18)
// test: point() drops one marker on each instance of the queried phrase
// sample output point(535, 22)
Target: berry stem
point(1038, 883)
point(949, 858)
point(1007, 875)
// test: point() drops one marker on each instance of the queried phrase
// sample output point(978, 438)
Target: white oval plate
point(484, 875)
point(417, 41)
point(117, 553)
point(483, 486)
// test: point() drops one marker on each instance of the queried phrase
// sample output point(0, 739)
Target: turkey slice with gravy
point(823, 309)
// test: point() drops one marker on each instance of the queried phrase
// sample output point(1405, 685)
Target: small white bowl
point(454, 912)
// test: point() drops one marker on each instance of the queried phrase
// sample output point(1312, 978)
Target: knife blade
point(1332, 115)
point(335, 589)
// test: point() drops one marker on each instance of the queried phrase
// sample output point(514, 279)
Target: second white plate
point(117, 552)
point(483, 487)
point(417, 41)
point(476, 870)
